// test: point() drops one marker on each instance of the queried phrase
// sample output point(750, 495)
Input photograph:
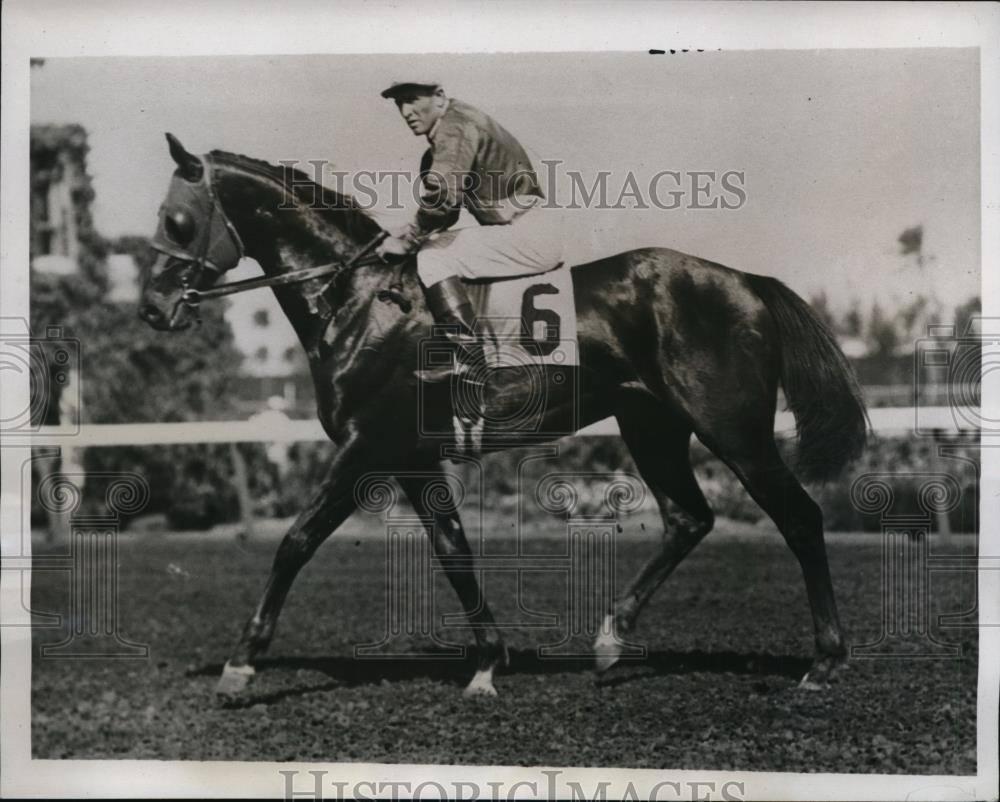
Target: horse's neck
point(290, 239)
point(281, 239)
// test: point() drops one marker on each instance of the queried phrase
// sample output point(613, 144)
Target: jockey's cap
point(400, 87)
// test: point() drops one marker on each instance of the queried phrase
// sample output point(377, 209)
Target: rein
point(193, 297)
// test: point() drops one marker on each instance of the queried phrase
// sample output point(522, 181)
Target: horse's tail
point(820, 386)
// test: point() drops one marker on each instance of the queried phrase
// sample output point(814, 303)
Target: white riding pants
point(532, 243)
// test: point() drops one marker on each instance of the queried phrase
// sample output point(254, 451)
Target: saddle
point(528, 319)
point(523, 320)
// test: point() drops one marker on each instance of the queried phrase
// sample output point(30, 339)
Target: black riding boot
point(450, 306)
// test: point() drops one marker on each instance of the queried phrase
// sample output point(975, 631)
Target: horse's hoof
point(607, 650)
point(234, 681)
point(481, 686)
point(824, 671)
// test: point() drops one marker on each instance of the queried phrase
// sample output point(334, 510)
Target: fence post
point(942, 518)
point(242, 490)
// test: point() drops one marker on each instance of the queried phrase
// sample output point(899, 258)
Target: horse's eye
point(179, 226)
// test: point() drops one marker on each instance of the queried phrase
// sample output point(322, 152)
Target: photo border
point(56, 28)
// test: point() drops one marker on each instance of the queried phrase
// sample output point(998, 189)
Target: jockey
point(472, 162)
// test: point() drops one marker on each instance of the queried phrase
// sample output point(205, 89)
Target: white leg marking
point(481, 684)
point(807, 684)
point(234, 680)
point(606, 647)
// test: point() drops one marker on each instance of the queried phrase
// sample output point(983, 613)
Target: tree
point(853, 324)
point(821, 306)
point(965, 314)
point(882, 338)
point(136, 247)
point(912, 241)
point(133, 373)
point(915, 318)
point(128, 372)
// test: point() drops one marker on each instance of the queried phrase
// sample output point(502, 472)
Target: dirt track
point(728, 636)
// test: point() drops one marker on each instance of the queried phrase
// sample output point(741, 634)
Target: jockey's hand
point(394, 247)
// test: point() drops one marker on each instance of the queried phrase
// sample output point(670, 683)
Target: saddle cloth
point(527, 321)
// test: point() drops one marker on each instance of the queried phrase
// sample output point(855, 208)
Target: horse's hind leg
point(773, 486)
point(329, 507)
point(437, 509)
point(659, 444)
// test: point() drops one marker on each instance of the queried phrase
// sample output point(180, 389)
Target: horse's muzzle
point(178, 320)
point(153, 316)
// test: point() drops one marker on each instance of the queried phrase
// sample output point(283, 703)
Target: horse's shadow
point(347, 671)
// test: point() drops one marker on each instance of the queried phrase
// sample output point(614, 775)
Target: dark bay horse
point(669, 345)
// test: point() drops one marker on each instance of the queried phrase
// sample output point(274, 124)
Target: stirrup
point(443, 373)
point(468, 397)
point(435, 375)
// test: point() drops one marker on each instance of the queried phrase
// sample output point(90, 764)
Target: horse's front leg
point(329, 507)
point(453, 552)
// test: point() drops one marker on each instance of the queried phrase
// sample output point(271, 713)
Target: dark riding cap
point(397, 88)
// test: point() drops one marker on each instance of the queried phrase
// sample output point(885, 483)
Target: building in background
point(123, 279)
point(62, 244)
point(264, 335)
point(60, 197)
point(274, 363)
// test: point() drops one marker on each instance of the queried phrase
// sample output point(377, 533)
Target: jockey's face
point(421, 110)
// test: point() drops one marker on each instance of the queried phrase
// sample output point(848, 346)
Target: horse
point(670, 345)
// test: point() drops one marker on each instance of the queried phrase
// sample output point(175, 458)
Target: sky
point(841, 150)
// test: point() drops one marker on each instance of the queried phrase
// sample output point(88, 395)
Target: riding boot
point(449, 304)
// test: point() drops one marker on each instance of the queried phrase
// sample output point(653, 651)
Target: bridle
point(217, 246)
point(202, 262)
point(219, 249)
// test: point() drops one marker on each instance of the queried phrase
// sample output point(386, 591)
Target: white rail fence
point(889, 421)
point(886, 421)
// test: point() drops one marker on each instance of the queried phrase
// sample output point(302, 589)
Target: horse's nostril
point(150, 313)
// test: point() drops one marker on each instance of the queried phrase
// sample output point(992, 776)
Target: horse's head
point(195, 244)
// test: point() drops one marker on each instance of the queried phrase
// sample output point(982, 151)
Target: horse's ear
point(189, 164)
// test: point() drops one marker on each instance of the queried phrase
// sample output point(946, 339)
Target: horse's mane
point(340, 210)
